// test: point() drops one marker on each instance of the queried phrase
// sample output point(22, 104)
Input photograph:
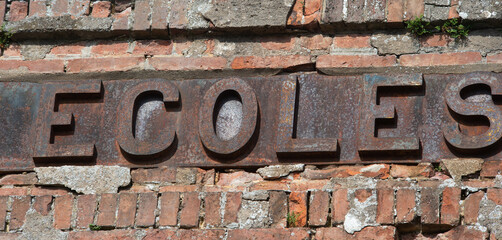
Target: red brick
point(269, 185)
point(20, 206)
point(59, 7)
point(146, 209)
point(107, 209)
point(254, 62)
point(154, 175)
point(395, 10)
point(453, 13)
point(141, 15)
point(189, 215)
point(385, 206)
point(278, 209)
point(179, 188)
point(86, 207)
point(429, 204)
point(38, 8)
point(319, 208)
point(299, 185)
point(413, 9)
point(101, 9)
point(188, 63)
point(55, 191)
point(42, 204)
point(232, 207)
point(34, 66)
point(405, 205)
point(155, 234)
point(3, 211)
point(339, 205)
point(212, 209)
point(471, 207)
point(436, 40)
point(237, 178)
point(351, 61)
point(127, 209)
point(64, 50)
point(296, 16)
point(362, 194)
point(18, 11)
point(104, 64)
point(117, 234)
point(440, 59)
point(79, 8)
point(491, 168)
point(3, 5)
point(316, 42)
point(278, 43)
point(19, 179)
point(404, 171)
point(153, 47)
point(121, 20)
point(374, 233)
point(495, 195)
point(298, 207)
point(9, 236)
point(272, 234)
point(450, 207)
point(14, 50)
point(477, 183)
point(312, 6)
point(62, 211)
point(110, 48)
point(17, 191)
point(169, 205)
point(497, 58)
point(352, 41)
point(160, 14)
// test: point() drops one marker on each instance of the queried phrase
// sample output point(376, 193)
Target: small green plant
point(454, 28)
point(94, 227)
point(5, 37)
point(292, 218)
point(438, 168)
point(418, 26)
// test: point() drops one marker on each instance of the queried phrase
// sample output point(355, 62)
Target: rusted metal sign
point(240, 122)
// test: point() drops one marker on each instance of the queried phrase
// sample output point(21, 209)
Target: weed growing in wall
point(453, 27)
point(5, 37)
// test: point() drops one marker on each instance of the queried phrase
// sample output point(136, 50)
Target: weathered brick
point(298, 208)
point(405, 205)
point(19, 179)
point(269, 185)
point(339, 205)
point(179, 188)
point(154, 234)
point(3, 211)
point(142, 15)
point(319, 208)
point(42, 204)
point(440, 59)
point(9, 236)
point(146, 209)
point(395, 10)
point(278, 209)
point(333, 11)
point(62, 211)
point(436, 40)
point(59, 7)
point(17, 191)
point(188, 63)
point(101, 9)
point(374, 233)
point(20, 206)
point(413, 9)
point(478, 183)
point(296, 16)
point(154, 175)
point(121, 20)
point(471, 207)
point(104, 64)
point(34, 66)
point(312, 6)
point(354, 61)
point(450, 207)
point(404, 171)
point(495, 195)
point(374, 10)
point(299, 185)
point(496, 58)
point(153, 47)
point(212, 209)
point(232, 207)
point(110, 48)
point(316, 42)
point(55, 191)
point(429, 204)
point(278, 43)
point(107, 210)
point(355, 11)
point(122, 234)
point(18, 11)
point(352, 41)
point(255, 62)
point(3, 5)
point(273, 234)
point(69, 49)
point(127, 209)
point(86, 207)
point(385, 206)
point(160, 14)
point(189, 214)
point(79, 8)
point(38, 8)
point(169, 205)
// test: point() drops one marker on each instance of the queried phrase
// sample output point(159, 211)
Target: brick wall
point(187, 39)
